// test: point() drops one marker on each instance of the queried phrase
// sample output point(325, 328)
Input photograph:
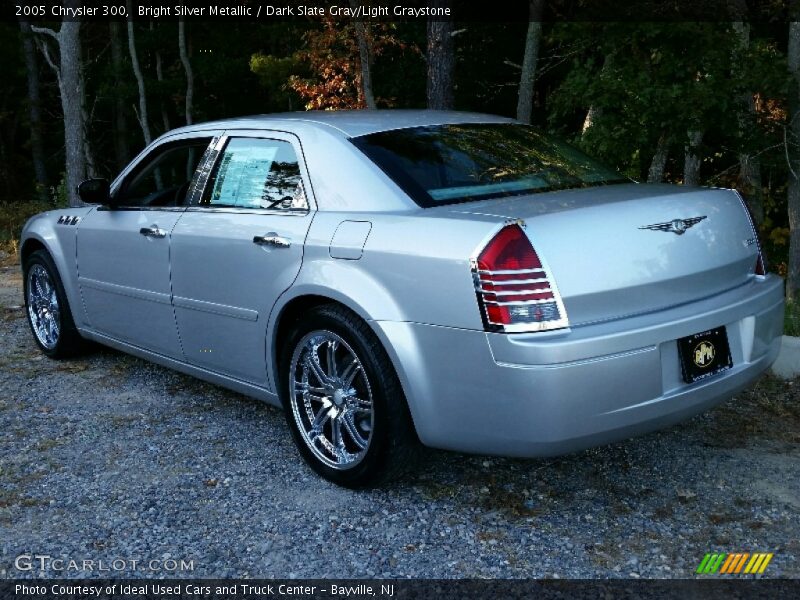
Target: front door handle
point(153, 231)
point(272, 239)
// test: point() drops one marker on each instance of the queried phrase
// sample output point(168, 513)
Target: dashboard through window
point(447, 164)
point(256, 173)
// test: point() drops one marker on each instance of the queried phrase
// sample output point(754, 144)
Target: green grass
point(791, 322)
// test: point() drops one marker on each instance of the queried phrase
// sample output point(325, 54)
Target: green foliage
point(273, 74)
point(647, 80)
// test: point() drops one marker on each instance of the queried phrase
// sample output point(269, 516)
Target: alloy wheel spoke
point(359, 405)
point(352, 430)
point(350, 373)
point(312, 362)
point(323, 416)
point(336, 433)
point(305, 387)
point(331, 350)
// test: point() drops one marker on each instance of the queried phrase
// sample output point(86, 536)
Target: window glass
point(164, 178)
point(256, 173)
point(446, 164)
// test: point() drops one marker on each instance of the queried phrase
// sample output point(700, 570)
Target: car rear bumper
point(552, 393)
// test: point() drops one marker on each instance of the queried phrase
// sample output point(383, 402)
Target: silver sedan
point(404, 278)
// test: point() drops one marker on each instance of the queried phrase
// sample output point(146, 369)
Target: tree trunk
point(367, 97)
point(160, 79)
point(793, 196)
point(529, 60)
point(749, 164)
point(595, 112)
point(35, 109)
point(592, 115)
point(187, 67)
point(691, 160)
point(120, 124)
point(441, 60)
point(91, 168)
point(137, 71)
point(656, 172)
point(70, 87)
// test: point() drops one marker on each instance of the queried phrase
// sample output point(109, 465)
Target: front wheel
point(343, 401)
point(48, 311)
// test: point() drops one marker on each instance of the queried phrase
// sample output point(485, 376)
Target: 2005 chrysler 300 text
point(391, 277)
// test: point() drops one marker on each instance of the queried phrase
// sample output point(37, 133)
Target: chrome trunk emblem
point(676, 226)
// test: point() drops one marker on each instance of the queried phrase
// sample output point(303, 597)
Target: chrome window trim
point(142, 208)
point(248, 211)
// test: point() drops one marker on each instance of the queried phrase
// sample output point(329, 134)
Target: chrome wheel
point(331, 399)
point(43, 309)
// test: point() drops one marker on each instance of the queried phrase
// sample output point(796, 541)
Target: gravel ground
point(109, 457)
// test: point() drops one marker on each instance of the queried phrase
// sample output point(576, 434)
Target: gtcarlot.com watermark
point(49, 564)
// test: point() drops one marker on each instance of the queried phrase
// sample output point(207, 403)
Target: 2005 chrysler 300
point(392, 277)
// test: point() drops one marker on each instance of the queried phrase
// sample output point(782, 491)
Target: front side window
point(163, 178)
point(447, 164)
point(256, 173)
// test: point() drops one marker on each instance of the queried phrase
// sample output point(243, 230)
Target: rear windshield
point(446, 164)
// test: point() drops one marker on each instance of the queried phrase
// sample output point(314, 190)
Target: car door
point(123, 253)
point(237, 248)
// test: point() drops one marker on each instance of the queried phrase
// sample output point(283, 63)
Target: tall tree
point(365, 59)
point(749, 163)
point(441, 59)
point(120, 123)
point(160, 79)
point(655, 174)
point(69, 74)
point(137, 72)
point(793, 196)
point(187, 68)
point(34, 109)
point(691, 157)
point(527, 78)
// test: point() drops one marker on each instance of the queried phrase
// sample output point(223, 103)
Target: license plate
point(704, 354)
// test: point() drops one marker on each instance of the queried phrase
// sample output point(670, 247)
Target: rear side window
point(447, 164)
point(256, 173)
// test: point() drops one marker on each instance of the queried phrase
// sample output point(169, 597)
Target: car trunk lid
point(619, 250)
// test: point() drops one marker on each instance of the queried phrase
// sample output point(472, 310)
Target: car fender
point(342, 281)
point(60, 241)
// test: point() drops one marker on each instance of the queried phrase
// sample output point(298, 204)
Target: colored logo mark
point(735, 564)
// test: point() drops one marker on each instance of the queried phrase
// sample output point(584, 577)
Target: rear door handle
point(272, 239)
point(153, 231)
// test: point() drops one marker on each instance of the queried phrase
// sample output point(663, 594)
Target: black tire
point(69, 342)
point(393, 446)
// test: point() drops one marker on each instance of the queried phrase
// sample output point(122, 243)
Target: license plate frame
point(705, 354)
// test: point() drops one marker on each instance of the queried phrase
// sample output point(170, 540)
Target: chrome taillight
point(760, 269)
point(515, 291)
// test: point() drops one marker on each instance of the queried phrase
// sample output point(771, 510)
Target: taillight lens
point(514, 290)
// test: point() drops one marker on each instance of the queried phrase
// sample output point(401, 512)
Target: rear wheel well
point(29, 247)
point(290, 314)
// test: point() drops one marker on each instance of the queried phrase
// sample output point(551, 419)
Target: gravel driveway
point(109, 457)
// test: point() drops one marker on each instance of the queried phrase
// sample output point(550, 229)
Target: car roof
point(351, 123)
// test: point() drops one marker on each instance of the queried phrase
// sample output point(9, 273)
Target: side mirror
point(95, 191)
